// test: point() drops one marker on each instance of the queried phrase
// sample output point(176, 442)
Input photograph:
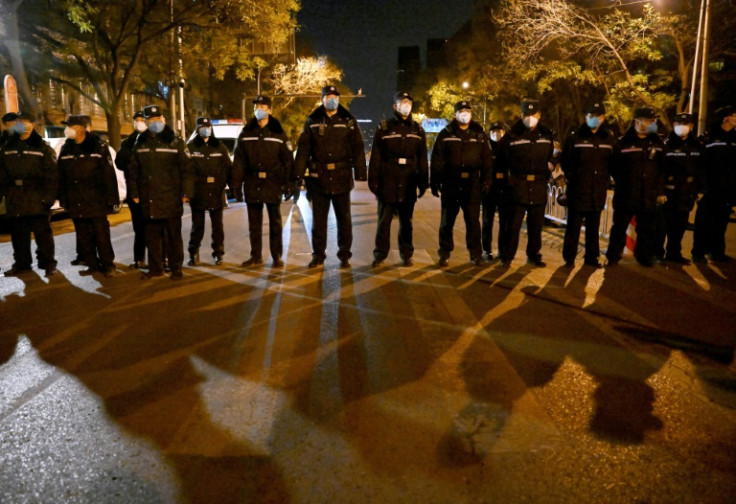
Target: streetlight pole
point(696, 60)
point(703, 105)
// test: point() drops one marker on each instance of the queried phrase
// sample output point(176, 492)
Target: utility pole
point(172, 80)
point(703, 105)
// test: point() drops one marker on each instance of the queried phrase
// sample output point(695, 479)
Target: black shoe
point(166, 267)
point(78, 262)
point(176, 275)
point(570, 264)
point(537, 262)
point(137, 265)
point(277, 263)
point(87, 272)
point(150, 274)
point(345, 263)
point(594, 264)
point(678, 259)
point(477, 261)
point(315, 262)
point(377, 262)
point(443, 262)
point(489, 257)
point(721, 258)
point(51, 271)
point(218, 260)
point(408, 261)
point(108, 272)
point(505, 263)
point(193, 258)
point(16, 271)
point(700, 259)
point(611, 261)
point(253, 261)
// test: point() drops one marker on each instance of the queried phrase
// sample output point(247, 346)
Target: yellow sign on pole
point(11, 94)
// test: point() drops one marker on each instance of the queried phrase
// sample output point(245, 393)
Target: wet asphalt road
point(387, 385)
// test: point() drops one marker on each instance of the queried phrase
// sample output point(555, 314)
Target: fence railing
point(558, 213)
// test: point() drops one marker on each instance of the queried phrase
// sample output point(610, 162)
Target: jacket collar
point(321, 113)
point(520, 129)
point(166, 136)
point(198, 141)
point(273, 125)
point(34, 140)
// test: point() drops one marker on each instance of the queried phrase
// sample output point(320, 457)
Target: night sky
point(363, 37)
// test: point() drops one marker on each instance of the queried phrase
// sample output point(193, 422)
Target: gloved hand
point(421, 192)
point(435, 191)
point(661, 200)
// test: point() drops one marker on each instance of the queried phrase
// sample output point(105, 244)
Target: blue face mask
point(652, 128)
point(332, 103)
point(205, 132)
point(156, 126)
point(18, 127)
point(593, 122)
point(260, 114)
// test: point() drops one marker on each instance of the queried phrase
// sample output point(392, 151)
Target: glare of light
point(466, 85)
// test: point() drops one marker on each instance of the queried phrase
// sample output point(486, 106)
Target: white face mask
point(70, 133)
point(496, 136)
point(140, 126)
point(530, 121)
point(682, 130)
point(404, 109)
point(463, 117)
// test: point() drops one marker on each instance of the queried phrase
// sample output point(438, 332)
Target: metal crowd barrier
point(558, 213)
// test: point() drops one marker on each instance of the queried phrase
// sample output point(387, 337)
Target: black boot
point(193, 257)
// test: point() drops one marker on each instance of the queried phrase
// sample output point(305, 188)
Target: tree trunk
point(113, 129)
point(12, 43)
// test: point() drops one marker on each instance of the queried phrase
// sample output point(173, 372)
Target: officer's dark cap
point(330, 90)
point(202, 121)
point(724, 112)
point(464, 104)
point(25, 116)
point(497, 126)
point(645, 113)
point(74, 120)
point(529, 107)
point(138, 114)
point(262, 100)
point(596, 109)
point(403, 95)
point(684, 118)
point(152, 111)
point(10, 117)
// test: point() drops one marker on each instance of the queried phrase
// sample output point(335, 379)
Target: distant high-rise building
point(409, 67)
point(436, 53)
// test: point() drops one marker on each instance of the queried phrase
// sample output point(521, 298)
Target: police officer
point(212, 169)
point(637, 172)
point(714, 209)
point(29, 183)
point(585, 160)
point(331, 147)
point(122, 161)
point(683, 181)
point(161, 180)
point(264, 168)
point(461, 172)
point(498, 200)
point(8, 120)
point(398, 173)
point(526, 152)
point(87, 189)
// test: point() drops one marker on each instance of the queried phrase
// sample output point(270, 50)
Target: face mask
point(332, 103)
point(463, 117)
point(682, 130)
point(70, 133)
point(404, 109)
point(260, 114)
point(140, 126)
point(652, 128)
point(205, 132)
point(530, 121)
point(496, 136)
point(592, 122)
point(18, 128)
point(156, 126)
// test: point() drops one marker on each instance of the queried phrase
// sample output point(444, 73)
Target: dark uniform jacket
point(28, 176)
point(683, 171)
point(462, 163)
point(160, 174)
point(637, 172)
point(212, 170)
point(398, 164)
point(720, 166)
point(500, 187)
point(331, 148)
point(263, 163)
point(525, 154)
point(87, 183)
point(125, 154)
point(586, 160)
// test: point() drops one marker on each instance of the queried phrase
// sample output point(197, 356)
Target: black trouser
point(471, 215)
point(320, 211)
point(405, 210)
point(572, 235)
point(646, 228)
point(491, 202)
point(218, 232)
point(160, 232)
point(255, 229)
point(93, 242)
point(139, 231)
point(20, 235)
point(675, 222)
point(534, 224)
point(711, 221)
